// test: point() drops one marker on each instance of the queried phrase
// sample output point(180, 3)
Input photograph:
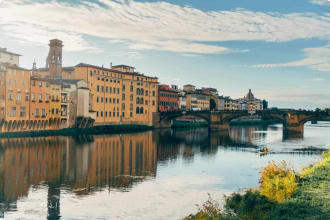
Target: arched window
point(137, 110)
point(141, 110)
point(137, 100)
point(138, 91)
point(141, 101)
point(142, 92)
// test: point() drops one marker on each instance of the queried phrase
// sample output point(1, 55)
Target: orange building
point(119, 95)
point(168, 99)
point(14, 96)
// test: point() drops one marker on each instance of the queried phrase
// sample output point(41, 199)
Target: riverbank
point(101, 129)
point(254, 122)
point(283, 195)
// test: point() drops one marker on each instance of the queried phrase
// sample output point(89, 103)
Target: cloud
point(155, 25)
point(321, 2)
point(318, 79)
point(317, 58)
point(315, 96)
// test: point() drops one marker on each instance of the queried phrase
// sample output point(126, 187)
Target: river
point(160, 174)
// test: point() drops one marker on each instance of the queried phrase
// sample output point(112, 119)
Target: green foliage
point(311, 200)
point(250, 206)
point(278, 182)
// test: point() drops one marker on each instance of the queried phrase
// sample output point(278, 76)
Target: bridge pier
point(293, 128)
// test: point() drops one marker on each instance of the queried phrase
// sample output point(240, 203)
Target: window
point(106, 89)
point(102, 114)
point(23, 82)
point(47, 84)
point(57, 111)
point(40, 84)
point(91, 73)
point(53, 111)
point(33, 97)
point(131, 97)
point(109, 114)
point(10, 96)
point(123, 114)
point(22, 111)
point(13, 111)
point(106, 114)
point(141, 110)
point(37, 112)
point(137, 110)
point(33, 83)
point(40, 97)
point(97, 99)
point(131, 114)
point(131, 107)
point(102, 88)
point(43, 112)
point(97, 114)
point(98, 88)
point(124, 87)
point(123, 106)
point(106, 100)
point(101, 99)
point(123, 96)
point(117, 101)
point(117, 114)
point(153, 102)
point(27, 96)
point(18, 97)
point(117, 90)
point(147, 93)
point(131, 88)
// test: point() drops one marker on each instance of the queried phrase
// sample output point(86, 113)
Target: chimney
point(111, 65)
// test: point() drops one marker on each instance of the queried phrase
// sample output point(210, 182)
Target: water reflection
point(82, 165)
point(88, 164)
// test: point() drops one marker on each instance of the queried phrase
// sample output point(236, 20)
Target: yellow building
point(119, 95)
point(55, 89)
point(197, 101)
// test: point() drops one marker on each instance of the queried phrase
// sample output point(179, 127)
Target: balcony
point(43, 116)
point(40, 100)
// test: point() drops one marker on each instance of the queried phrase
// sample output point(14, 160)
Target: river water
point(161, 174)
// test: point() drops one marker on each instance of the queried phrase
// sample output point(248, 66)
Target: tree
point(213, 105)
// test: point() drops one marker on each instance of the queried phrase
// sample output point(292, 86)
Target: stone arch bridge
point(293, 120)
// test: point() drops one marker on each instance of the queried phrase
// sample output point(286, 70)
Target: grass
point(309, 199)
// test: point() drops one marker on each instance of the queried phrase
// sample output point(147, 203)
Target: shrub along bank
point(282, 195)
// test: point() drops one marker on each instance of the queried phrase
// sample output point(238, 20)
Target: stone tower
point(54, 59)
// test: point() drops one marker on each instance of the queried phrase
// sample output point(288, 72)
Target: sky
point(280, 49)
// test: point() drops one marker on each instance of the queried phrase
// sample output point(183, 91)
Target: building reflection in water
point(83, 166)
point(87, 164)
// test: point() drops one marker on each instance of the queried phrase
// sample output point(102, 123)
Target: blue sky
point(280, 49)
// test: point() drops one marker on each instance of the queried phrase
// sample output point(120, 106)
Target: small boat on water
point(263, 151)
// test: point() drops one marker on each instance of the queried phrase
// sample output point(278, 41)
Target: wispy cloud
point(154, 25)
point(317, 58)
point(321, 2)
point(315, 96)
point(318, 79)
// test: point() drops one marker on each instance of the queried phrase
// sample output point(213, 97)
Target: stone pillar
point(292, 124)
